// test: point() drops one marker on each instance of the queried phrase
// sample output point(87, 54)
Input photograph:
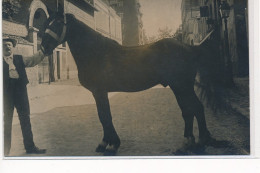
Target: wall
point(108, 23)
point(131, 23)
point(79, 14)
point(14, 28)
point(236, 26)
point(232, 37)
point(102, 18)
point(191, 22)
point(105, 21)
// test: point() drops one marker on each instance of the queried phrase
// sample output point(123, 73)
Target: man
point(15, 95)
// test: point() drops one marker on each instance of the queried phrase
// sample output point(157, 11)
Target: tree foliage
point(10, 8)
point(148, 39)
point(165, 32)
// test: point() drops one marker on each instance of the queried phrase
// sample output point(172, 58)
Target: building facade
point(200, 17)
point(25, 25)
point(132, 25)
point(178, 34)
point(99, 16)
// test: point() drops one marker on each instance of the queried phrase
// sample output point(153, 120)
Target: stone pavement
point(59, 94)
point(45, 97)
point(65, 121)
point(240, 97)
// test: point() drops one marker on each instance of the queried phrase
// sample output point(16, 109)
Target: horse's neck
point(77, 32)
point(79, 39)
point(86, 45)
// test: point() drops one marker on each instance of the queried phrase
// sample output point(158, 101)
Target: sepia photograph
point(126, 79)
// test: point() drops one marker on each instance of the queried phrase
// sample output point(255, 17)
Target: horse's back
point(148, 65)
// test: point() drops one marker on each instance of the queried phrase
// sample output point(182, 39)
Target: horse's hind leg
point(187, 113)
point(110, 136)
point(190, 107)
point(204, 134)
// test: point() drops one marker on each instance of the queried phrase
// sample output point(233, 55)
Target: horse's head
point(53, 32)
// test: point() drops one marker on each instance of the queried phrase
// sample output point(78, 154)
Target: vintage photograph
point(96, 78)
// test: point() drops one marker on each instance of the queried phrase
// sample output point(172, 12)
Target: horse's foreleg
point(110, 136)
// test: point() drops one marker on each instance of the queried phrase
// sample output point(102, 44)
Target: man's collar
point(12, 55)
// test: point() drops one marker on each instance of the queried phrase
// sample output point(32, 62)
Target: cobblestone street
point(149, 123)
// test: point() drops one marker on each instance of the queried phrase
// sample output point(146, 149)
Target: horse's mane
point(110, 41)
point(88, 29)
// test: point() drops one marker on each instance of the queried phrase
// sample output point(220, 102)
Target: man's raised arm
point(31, 61)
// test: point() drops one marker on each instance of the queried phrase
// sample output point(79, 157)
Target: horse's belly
point(131, 86)
point(122, 81)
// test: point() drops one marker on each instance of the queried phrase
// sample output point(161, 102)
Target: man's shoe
point(36, 150)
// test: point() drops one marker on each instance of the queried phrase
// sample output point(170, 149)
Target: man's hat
point(6, 38)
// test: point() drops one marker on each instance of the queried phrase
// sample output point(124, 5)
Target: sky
point(159, 14)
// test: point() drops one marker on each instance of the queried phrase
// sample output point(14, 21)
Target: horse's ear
point(60, 9)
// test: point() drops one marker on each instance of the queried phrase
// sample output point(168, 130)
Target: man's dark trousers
point(15, 95)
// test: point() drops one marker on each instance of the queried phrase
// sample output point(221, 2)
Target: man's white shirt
point(29, 61)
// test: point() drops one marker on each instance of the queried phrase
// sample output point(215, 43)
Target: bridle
point(59, 39)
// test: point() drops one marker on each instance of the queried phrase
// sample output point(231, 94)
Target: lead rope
point(65, 22)
point(65, 11)
point(65, 4)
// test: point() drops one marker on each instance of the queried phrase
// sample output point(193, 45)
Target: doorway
point(58, 64)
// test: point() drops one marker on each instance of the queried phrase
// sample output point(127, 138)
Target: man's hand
point(46, 53)
point(43, 50)
point(31, 61)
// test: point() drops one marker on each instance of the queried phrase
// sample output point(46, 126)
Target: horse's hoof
point(187, 148)
point(111, 150)
point(190, 148)
point(101, 147)
point(209, 141)
point(194, 150)
point(189, 143)
point(218, 143)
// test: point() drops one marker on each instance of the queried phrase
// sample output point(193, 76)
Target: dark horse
point(106, 66)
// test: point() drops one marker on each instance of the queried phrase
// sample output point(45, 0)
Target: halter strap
point(63, 33)
point(55, 36)
point(52, 34)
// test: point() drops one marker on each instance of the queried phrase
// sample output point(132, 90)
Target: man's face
point(7, 48)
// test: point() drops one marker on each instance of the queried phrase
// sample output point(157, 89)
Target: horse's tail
point(211, 80)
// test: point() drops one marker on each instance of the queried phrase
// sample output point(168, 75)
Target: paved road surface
point(149, 123)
